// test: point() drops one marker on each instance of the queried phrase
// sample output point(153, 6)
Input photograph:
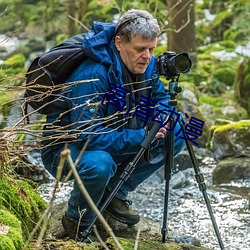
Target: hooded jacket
point(88, 118)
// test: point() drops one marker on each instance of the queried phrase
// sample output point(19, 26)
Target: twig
point(99, 238)
point(66, 154)
point(137, 236)
point(77, 21)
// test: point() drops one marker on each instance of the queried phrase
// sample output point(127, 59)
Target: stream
point(187, 212)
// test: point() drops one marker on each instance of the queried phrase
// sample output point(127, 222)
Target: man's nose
point(146, 54)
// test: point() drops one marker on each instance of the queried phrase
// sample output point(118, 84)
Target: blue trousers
point(100, 170)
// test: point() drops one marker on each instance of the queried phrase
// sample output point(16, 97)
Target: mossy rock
point(21, 199)
point(127, 244)
point(221, 107)
point(11, 237)
point(150, 235)
point(231, 169)
point(231, 139)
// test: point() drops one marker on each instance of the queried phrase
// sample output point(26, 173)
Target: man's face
point(137, 53)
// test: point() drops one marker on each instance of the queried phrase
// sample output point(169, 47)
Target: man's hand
point(162, 131)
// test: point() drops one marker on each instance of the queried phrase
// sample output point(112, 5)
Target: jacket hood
point(98, 42)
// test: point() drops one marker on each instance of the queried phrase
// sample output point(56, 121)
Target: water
point(187, 212)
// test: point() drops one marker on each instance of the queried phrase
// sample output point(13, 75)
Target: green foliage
point(160, 49)
point(229, 23)
point(17, 61)
point(12, 67)
point(242, 84)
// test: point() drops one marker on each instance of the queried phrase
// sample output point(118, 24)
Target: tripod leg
point(202, 186)
point(168, 173)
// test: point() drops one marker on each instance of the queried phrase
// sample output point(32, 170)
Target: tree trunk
point(181, 27)
point(83, 8)
point(71, 6)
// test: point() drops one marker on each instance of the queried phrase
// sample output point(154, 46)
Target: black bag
point(48, 73)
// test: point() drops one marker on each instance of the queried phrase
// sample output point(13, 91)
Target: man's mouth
point(144, 64)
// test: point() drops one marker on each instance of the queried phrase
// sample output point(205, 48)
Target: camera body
point(171, 65)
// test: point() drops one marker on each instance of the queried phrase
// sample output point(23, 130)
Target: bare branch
point(66, 154)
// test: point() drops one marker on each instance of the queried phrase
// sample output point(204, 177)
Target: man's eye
point(139, 50)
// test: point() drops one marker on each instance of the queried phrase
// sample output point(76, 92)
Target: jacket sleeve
point(89, 120)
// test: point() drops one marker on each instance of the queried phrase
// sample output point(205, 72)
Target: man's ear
point(118, 42)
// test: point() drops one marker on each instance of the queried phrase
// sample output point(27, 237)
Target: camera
point(171, 65)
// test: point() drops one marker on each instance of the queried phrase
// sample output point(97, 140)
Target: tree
point(181, 26)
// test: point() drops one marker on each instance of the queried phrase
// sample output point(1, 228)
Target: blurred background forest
point(215, 34)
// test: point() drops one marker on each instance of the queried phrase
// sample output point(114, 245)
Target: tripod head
point(173, 90)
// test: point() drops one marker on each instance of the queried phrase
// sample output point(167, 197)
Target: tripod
point(173, 90)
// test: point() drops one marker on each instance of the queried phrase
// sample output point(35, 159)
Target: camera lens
point(182, 63)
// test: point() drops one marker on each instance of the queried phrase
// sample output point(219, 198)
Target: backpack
point(47, 73)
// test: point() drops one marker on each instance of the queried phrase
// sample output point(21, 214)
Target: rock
point(189, 96)
point(229, 140)
point(181, 179)
point(149, 238)
point(231, 169)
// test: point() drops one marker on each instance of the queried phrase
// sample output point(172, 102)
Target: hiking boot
point(75, 231)
point(121, 211)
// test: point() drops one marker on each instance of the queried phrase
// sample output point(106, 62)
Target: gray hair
point(137, 22)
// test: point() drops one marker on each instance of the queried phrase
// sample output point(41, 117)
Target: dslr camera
point(171, 65)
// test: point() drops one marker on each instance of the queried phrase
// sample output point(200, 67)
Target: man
point(119, 61)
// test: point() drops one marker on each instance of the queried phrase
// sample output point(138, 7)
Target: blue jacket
point(89, 118)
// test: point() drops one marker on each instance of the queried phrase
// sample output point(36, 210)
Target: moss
point(229, 45)
point(220, 132)
point(128, 244)
point(21, 199)
point(9, 219)
point(214, 101)
point(236, 125)
point(225, 75)
point(16, 237)
point(6, 243)
point(13, 239)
